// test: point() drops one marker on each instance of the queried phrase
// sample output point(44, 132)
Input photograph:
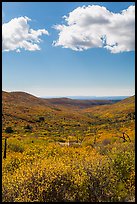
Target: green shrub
point(41, 118)
point(9, 130)
point(16, 147)
point(28, 128)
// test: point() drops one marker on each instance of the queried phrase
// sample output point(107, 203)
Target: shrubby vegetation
point(69, 155)
point(48, 172)
point(28, 128)
point(8, 130)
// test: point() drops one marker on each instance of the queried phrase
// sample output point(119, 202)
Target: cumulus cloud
point(95, 26)
point(16, 34)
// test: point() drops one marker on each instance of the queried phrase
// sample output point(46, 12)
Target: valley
point(67, 144)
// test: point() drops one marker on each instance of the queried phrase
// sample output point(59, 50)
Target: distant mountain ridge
point(99, 97)
point(24, 98)
point(89, 97)
point(77, 102)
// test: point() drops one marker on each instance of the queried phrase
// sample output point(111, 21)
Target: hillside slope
point(19, 108)
point(79, 152)
point(75, 103)
point(24, 106)
point(126, 106)
point(62, 118)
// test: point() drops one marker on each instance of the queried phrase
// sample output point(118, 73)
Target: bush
point(16, 147)
point(71, 175)
point(106, 142)
point(28, 128)
point(9, 130)
point(41, 118)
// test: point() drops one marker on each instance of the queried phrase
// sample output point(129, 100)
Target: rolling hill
point(25, 106)
point(125, 106)
point(22, 98)
point(91, 143)
point(75, 103)
point(64, 116)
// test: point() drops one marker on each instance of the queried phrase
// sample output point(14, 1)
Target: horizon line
point(62, 96)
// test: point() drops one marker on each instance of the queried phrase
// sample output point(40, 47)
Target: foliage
point(46, 172)
point(41, 166)
point(8, 130)
point(28, 128)
point(16, 147)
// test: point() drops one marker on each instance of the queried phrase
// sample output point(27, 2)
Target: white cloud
point(95, 26)
point(16, 34)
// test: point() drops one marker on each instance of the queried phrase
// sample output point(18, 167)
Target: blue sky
point(52, 70)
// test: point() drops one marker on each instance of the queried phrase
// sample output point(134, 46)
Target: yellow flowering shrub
point(54, 173)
